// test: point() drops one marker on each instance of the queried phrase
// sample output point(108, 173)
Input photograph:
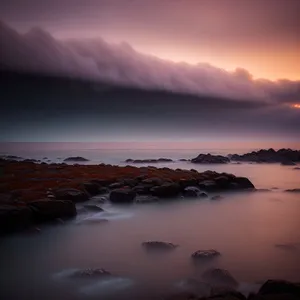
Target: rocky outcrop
point(285, 156)
point(49, 210)
point(148, 161)
point(205, 254)
point(75, 159)
point(210, 159)
point(90, 273)
point(158, 246)
point(93, 188)
point(122, 196)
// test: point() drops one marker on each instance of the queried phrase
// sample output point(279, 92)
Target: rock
point(293, 191)
point(205, 254)
point(188, 182)
point(278, 287)
point(184, 159)
point(145, 161)
point(116, 185)
point(219, 293)
point(288, 163)
point(71, 194)
point(242, 183)
point(210, 159)
point(158, 246)
point(167, 190)
point(268, 156)
point(146, 199)
point(193, 192)
point(199, 288)
point(217, 197)
point(223, 182)
point(219, 277)
point(208, 185)
point(143, 189)
point(90, 273)
point(92, 188)
point(13, 218)
point(93, 207)
point(153, 181)
point(124, 195)
point(297, 168)
point(49, 210)
point(76, 159)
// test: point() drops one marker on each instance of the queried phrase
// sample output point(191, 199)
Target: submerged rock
point(158, 246)
point(167, 190)
point(122, 196)
point(280, 287)
point(194, 192)
point(293, 191)
point(220, 277)
point(205, 254)
point(93, 207)
point(146, 199)
point(93, 188)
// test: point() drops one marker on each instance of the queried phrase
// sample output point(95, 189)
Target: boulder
point(146, 199)
point(288, 163)
point(13, 218)
point(153, 181)
point(210, 159)
point(158, 246)
point(188, 182)
point(75, 159)
point(48, 210)
point(205, 254)
point(277, 287)
point(219, 277)
point(92, 188)
point(143, 189)
point(194, 192)
point(121, 196)
point(167, 190)
point(208, 185)
point(71, 194)
point(242, 183)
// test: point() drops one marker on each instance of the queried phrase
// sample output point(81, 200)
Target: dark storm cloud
point(120, 64)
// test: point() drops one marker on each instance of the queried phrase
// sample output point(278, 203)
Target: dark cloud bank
point(92, 90)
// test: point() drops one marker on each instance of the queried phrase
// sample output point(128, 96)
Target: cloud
point(95, 59)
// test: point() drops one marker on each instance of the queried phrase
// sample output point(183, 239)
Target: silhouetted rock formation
point(76, 159)
point(148, 161)
point(210, 159)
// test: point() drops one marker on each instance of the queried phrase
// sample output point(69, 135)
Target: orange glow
point(296, 105)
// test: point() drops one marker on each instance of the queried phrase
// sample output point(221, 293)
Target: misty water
point(257, 233)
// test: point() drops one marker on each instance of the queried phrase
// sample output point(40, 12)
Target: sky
point(262, 36)
point(134, 70)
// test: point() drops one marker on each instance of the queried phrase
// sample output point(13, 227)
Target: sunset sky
point(262, 36)
point(152, 70)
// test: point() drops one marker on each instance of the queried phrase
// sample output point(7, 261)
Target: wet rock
point(153, 181)
point(216, 197)
point(205, 254)
point(90, 273)
point(146, 199)
point(288, 163)
point(208, 185)
point(158, 246)
point(93, 207)
point(143, 189)
point(188, 182)
point(297, 168)
point(280, 287)
point(243, 183)
point(49, 210)
point(219, 277)
point(122, 196)
point(76, 159)
point(71, 194)
point(116, 185)
point(210, 159)
point(167, 190)
point(13, 218)
point(92, 188)
point(194, 192)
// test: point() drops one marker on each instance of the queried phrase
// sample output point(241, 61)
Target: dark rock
point(93, 207)
point(210, 159)
point(193, 192)
point(146, 199)
point(219, 277)
point(13, 218)
point(143, 189)
point(277, 287)
point(297, 168)
point(217, 197)
point(92, 188)
point(184, 159)
point(158, 246)
point(90, 273)
point(71, 194)
point(243, 183)
point(49, 210)
point(145, 161)
point(76, 159)
point(288, 163)
point(188, 182)
point(221, 293)
point(167, 190)
point(116, 185)
point(131, 182)
point(205, 254)
point(293, 191)
point(153, 180)
point(208, 185)
point(122, 196)
point(222, 182)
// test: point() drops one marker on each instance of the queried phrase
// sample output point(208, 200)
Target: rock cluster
point(210, 159)
point(149, 160)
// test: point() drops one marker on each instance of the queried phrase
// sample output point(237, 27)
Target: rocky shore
point(32, 193)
